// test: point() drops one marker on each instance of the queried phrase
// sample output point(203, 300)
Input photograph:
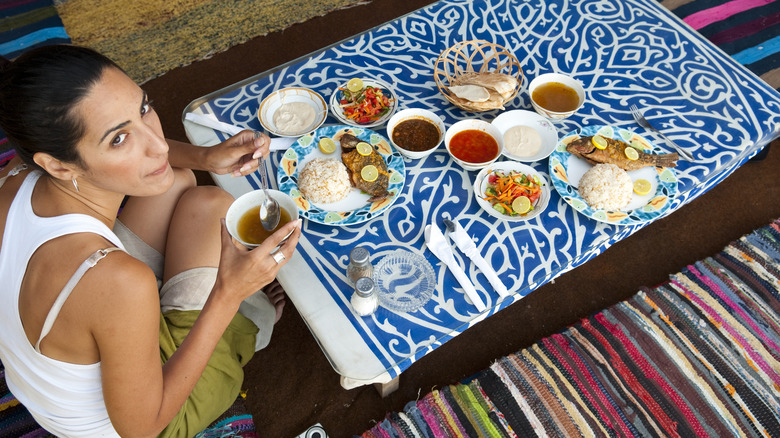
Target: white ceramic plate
point(481, 184)
point(355, 208)
point(566, 170)
point(541, 125)
point(271, 104)
point(338, 112)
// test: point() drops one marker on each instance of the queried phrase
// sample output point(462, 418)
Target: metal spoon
point(269, 209)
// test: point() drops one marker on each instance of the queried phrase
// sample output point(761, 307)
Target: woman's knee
point(183, 180)
point(205, 201)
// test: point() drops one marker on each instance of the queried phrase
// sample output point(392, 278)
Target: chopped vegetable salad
point(366, 105)
point(504, 189)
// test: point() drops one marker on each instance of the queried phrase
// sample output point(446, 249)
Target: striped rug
point(696, 356)
point(25, 24)
point(748, 30)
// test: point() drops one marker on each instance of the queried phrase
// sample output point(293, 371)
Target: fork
point(643, 122)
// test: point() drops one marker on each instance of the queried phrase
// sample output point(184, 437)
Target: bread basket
point(471, 57)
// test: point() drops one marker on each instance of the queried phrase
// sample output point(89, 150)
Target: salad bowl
point(339, 102)
point(483, 183)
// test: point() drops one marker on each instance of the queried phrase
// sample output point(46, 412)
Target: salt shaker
point(364, 300)
point(359, 265)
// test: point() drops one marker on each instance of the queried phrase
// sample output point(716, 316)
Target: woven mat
point(747, 30)
point(150, 37)
point(696, 356)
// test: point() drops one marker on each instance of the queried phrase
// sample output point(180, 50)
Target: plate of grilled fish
point(577, 152)
point(342, 175)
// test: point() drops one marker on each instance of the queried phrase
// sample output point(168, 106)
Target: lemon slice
point(636, 144)
point(632, 154)
point(369, 173)
point(364, 148)
point(327, 145)
point(599, 141)
point(521, 205)
point(355, 84)
point(642, 187)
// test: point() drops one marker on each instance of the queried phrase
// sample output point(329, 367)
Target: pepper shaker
point(364, 300)
point(359, 265)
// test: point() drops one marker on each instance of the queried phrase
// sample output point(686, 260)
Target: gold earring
point(75, 184)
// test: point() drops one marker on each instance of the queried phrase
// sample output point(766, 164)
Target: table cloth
point(623, 51)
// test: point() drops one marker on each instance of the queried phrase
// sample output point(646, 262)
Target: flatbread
point(495, 101)
point(472, 93)
point(503, 84)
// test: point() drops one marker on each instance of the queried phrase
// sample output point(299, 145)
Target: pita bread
point(472, 93)
point(503, 84)
point(495, 101)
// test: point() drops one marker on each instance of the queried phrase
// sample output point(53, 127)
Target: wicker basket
point(470, 57)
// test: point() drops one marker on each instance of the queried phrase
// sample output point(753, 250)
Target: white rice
point(606, 187)
point(324, 180)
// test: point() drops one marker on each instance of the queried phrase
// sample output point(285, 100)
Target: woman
point(91, 344)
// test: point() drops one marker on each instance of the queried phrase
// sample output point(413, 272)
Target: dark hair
point(38, 94)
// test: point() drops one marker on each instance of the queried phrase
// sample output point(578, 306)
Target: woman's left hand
point(238, 155)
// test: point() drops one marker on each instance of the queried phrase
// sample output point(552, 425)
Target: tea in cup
point(243, 216)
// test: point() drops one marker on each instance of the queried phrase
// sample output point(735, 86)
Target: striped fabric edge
point(236, 426)
point(694, 356)
point(747, 30)
point(28, 24)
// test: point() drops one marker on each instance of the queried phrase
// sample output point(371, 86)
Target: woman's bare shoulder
point(9, 185)
point(126, 277)
point(115, 282)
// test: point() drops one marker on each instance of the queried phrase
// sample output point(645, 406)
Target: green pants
point(220, 382)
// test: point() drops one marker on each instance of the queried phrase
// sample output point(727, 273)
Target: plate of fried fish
point(653, 182)
point(342, 175)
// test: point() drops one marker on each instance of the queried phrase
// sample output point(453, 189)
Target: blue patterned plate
point(355, 208)
point(567, 169)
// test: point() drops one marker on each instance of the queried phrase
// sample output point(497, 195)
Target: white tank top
point(65, 399)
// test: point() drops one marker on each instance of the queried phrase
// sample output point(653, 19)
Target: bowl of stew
point(415, 132)
point(474, 144)
point(556, 96)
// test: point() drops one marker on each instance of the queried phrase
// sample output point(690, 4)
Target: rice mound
point(606, 187)
point(324, 180)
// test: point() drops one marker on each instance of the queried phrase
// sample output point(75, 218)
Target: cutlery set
point(442, 249)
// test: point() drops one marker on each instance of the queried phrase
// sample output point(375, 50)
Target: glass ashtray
point(404, 280)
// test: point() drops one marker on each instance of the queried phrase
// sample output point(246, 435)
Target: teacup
point(556, 89)
point(248, 205)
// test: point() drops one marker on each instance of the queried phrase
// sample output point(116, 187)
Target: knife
point(469, 248)
point(441, 249)
point(277, 143)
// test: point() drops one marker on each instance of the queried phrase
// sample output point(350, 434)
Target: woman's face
point(123, 148)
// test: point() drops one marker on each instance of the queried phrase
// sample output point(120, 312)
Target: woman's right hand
point(245, 271)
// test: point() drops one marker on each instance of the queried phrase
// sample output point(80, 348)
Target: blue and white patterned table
point(623, 51)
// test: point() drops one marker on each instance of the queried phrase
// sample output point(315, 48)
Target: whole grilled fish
point(355, 163)
point(614, 153)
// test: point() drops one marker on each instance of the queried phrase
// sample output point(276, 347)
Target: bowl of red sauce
point(474, 144)
point(415, 132)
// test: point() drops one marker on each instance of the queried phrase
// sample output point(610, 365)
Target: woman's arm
point(237, 155)
point(142, 397)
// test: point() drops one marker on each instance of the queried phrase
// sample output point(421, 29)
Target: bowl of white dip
point(292, 112)
point(528, 137)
